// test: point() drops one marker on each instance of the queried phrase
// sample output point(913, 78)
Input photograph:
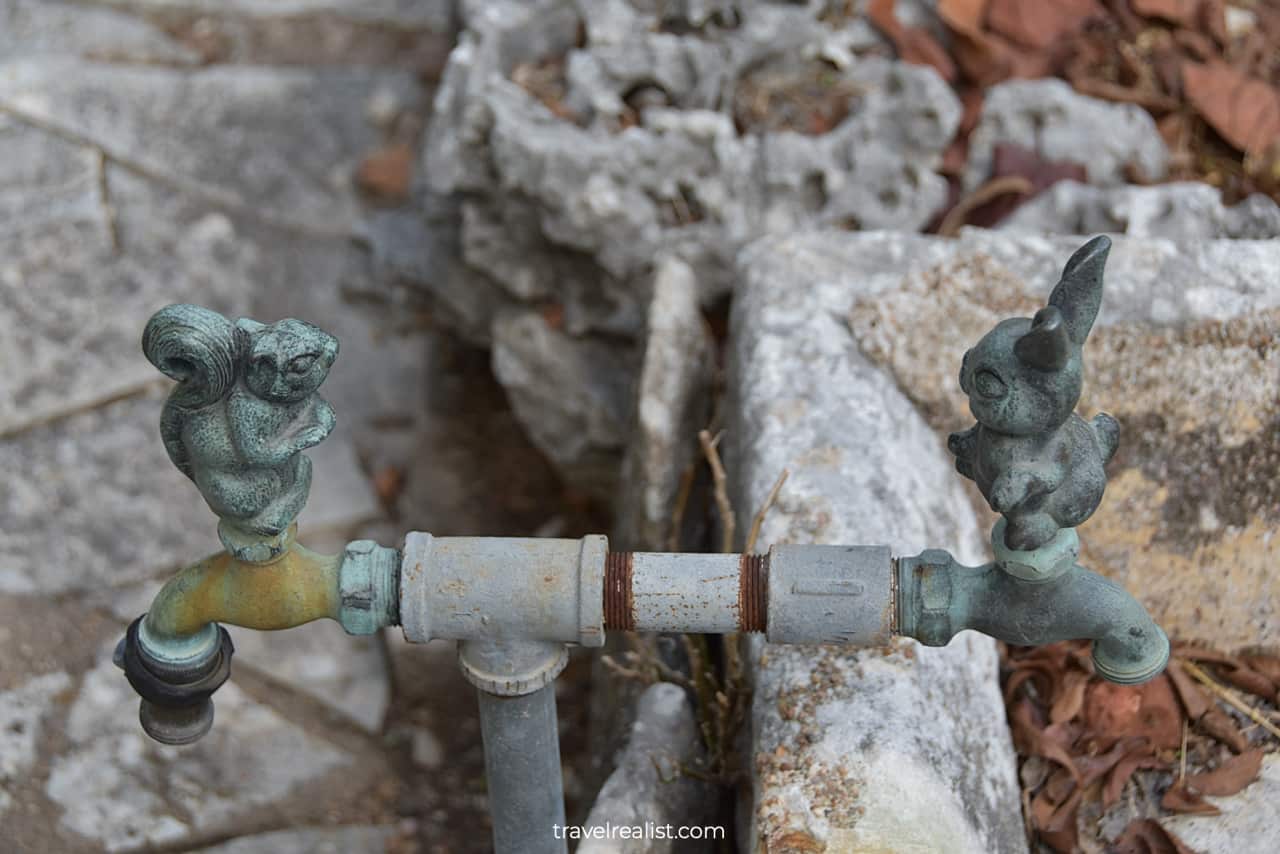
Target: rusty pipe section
point(572, 591)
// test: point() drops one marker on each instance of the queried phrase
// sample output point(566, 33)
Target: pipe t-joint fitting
point(503, 589)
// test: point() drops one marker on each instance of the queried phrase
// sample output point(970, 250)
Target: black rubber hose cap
point(176, 706)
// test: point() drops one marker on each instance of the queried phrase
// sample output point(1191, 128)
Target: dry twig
point(1229, 697)
point(758, 521)
point(996, 187)
point(718, 478)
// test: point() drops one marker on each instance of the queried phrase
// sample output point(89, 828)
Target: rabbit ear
point(1078, 293)
point(1047, 345)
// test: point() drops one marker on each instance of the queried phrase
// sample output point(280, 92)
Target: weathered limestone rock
point(82, 503)
point(1248, 821)
point(22, 713)
point(1183, 211)
point(574, 399)
point(1049, 117)
point(220, 134)
point(648, 786)
point(582, 164)
point(33, 28)
point(879, 749)
point(671, 406)
point(1185, 354)
point(72, 306)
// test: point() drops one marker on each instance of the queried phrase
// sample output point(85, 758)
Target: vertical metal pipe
point(516, 685)
point(522, 764)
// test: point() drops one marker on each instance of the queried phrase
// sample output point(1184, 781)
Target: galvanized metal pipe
point(515, 682)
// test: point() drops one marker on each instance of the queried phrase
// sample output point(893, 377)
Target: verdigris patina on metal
point(1042, 467)
point(1036, 462)
point(245, 408)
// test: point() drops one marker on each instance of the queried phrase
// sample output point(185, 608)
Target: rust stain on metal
point(753, 592)
point(619, 601)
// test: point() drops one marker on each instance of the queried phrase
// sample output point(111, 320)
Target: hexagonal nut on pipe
point(831, 594)
point(368, 587)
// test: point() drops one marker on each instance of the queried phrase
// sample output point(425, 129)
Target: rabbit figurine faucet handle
point(1036, 462)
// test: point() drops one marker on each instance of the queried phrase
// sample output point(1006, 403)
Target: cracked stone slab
point(252, 757)
point(310, 840)
point(856, 749)
point(1185, 353)
point(22, 711)
point(436, 14)
point(31, 28)
point(72, 307)
point(229, 135)
point(93, 501)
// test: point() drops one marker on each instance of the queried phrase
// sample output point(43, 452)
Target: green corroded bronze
point(1041, 467)
point(939, 597)
point(1035, 461)
point(245, 408)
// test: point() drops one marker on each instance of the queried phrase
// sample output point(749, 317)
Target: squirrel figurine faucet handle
point(245, 408)
point(1035, 461)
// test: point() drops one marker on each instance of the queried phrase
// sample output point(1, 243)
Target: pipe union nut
point(367, 587)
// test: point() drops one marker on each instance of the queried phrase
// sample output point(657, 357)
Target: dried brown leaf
point(1194, 699)
point(913, 44)
point(1148, 710)
point(1213, 20)
point(385, 174)
point(1180, 799)
point(1219, 724)
point(1245, 111)
point(1039, 25)
point(1229, 777)
point(1070, 698)
point(1123, 770)
point(982, 58)
point(1147, 836)
point(963, 15)
point(1247, 679)
point(1267, 665)
point(1174, 11)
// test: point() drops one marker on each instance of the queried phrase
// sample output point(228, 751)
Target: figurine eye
point(988, 384)
point(301, 364)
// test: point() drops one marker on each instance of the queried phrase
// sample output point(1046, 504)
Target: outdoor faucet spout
point(1029, 598)
point(293, 588)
